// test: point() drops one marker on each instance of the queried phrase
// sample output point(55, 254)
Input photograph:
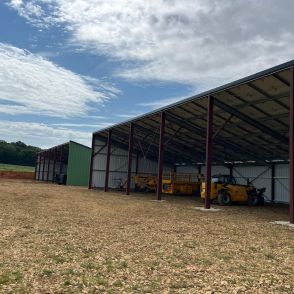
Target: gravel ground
point(57, 239)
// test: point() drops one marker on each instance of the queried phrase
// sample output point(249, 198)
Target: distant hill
point(18, 153)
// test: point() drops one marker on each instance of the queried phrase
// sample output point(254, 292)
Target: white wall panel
point(118, 166)
point(260, 175)
point(282, 183)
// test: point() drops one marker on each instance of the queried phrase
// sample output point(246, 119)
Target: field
point(58, 239)
point(16, 168)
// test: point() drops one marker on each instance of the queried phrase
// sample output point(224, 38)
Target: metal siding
point(241, 173)
point(187, 169)
point(282, 183)
point(118, 165)
point(78, 165)
point(216, 169)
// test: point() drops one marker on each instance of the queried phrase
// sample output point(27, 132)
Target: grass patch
point(58, 258)
point(10, 277)
point(46, 273)
point(16, 168)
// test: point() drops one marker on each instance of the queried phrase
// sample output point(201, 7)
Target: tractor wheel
point(253, 199)
point(224, 198)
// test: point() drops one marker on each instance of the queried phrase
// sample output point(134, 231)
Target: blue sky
point(71, 67)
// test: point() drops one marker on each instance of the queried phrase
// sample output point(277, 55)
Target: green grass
point(17, 168)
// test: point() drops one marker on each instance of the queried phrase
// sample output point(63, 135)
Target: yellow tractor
point(225, 190)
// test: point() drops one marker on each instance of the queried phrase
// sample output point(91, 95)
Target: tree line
point(18, 153)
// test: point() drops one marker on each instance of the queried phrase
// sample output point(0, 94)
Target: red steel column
point(48, 167)
point(130, 155)
point(91, 164)
point(160, 157)
point(54, 164)
point(43, 171)
point(39, 171)
point(291, 145)
point(107, 161)
point(209, 133)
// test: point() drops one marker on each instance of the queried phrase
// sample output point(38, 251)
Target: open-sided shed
point(68, 164)
point(247, 125)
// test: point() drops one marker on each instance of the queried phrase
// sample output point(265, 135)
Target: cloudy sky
point(71, 67)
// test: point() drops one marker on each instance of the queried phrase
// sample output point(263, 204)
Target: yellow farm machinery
point(226, 190)
point(181, 184)
point(173, 183)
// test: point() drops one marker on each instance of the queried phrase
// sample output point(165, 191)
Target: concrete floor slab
point(283, 223)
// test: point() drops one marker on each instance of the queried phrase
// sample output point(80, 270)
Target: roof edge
point(250, 78)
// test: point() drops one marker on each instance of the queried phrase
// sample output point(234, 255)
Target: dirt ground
point(58, 239)
point(17, 175)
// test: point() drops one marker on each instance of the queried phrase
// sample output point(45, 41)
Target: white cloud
point(81, 125)
point(31, 84)
point(161, 103)
point(39, 134)
point(197, 42)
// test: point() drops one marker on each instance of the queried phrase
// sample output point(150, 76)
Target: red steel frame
point(54, 164)
point(107, 161)
point(130, 155)
point(160, 156)
point(43, 170)
point(291, 145)
point(91, 164)
point(209, 135)
point(48, 167)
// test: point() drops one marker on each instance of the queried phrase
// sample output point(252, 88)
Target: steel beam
point(91, 163)
point(39, 166)
point(160, 156)
point(54, 165)
point(48, 167)
point(209, 142)
point(130, 156)
point(291, 145)
point(250, 121)
point(201, 132)
point(107, 161)
point(43, 171)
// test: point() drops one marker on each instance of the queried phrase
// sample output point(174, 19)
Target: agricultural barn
point(244, 128)
point(66, 164)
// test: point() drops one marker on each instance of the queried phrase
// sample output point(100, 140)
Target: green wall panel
point(78, 170)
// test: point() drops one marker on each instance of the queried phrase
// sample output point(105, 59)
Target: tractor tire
point(253, 199)
point(260, 201)
point(224, 198)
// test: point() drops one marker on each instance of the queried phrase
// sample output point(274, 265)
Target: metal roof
point(250, 122)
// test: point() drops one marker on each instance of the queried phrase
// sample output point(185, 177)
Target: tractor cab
point(224, 179)
point(225, 189)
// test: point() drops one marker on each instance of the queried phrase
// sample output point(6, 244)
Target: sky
point(71, 67)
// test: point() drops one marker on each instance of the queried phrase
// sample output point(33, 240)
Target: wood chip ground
point(59, 239)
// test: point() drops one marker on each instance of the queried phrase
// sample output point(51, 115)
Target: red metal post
point(107, 161)
point(130, 156)
point(43, 168)
point(91, 164)
point(161, 154)
point(48, 167)
point(54, 164)
point(209, 134)
point(39, 171)
point(291, 145)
